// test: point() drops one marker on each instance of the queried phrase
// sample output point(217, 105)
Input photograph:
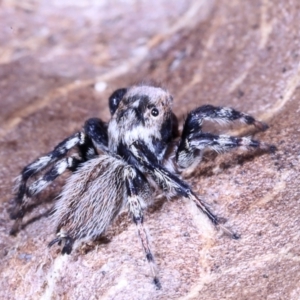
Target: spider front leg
point(171, 183)
point(41, 163)
point(194, 141)
point(22, 197)
point(135, 205)
point(94, 130)
point(94, 136)
point(68, 163)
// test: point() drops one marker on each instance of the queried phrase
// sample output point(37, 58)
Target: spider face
point(142, 113)
point(132, 158)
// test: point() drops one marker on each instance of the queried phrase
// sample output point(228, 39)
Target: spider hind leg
point(135, 207)
point(65, 240)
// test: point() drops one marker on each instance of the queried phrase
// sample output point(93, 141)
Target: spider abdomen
point(92, 197)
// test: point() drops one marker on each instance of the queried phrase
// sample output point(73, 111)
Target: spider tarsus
point(15, 215)
point(13, 232)
point(149, 257)
point(68, 244)
point(272, 148)
point(67, 248)
point(56, 240)
point(16, 227)
point(268, 147)
point(261, 125)
point(157, 283)
point(228, 232)
point(236, 236)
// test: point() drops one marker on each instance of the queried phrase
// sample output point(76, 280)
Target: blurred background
point(59, 62)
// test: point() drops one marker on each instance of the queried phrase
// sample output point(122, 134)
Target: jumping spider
point(121, 162)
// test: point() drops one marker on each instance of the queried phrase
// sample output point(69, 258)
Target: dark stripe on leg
point(58, 169)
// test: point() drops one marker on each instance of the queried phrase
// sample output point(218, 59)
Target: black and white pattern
point(123, 162)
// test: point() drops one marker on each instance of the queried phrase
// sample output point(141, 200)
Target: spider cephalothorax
point(121, 162)
point(143, 114)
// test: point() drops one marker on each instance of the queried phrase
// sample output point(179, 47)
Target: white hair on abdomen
point(91, 198)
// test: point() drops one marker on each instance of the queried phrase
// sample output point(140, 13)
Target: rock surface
point(60, 61)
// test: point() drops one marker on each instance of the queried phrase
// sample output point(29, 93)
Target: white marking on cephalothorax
point(141, 133)
point(151, 92)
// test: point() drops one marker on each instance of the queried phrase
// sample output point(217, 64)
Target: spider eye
point(154, 112)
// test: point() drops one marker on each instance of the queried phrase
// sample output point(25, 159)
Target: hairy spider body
point(122, 162)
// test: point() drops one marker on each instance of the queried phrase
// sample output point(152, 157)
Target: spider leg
point(24, 194)
point(68, 163)
point(41, 163)
point(190, 154)
point(36, 187)
point(22, 200)
point(220, 115)
point(135, 207)
point(67, 243)
point(171, 183)
point(194, 141)
point(96, 130)
point(93, 137)
point(96, 138)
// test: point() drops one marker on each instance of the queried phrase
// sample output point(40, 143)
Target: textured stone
point(59, 62)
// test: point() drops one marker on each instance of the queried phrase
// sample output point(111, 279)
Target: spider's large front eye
point(154, 112)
